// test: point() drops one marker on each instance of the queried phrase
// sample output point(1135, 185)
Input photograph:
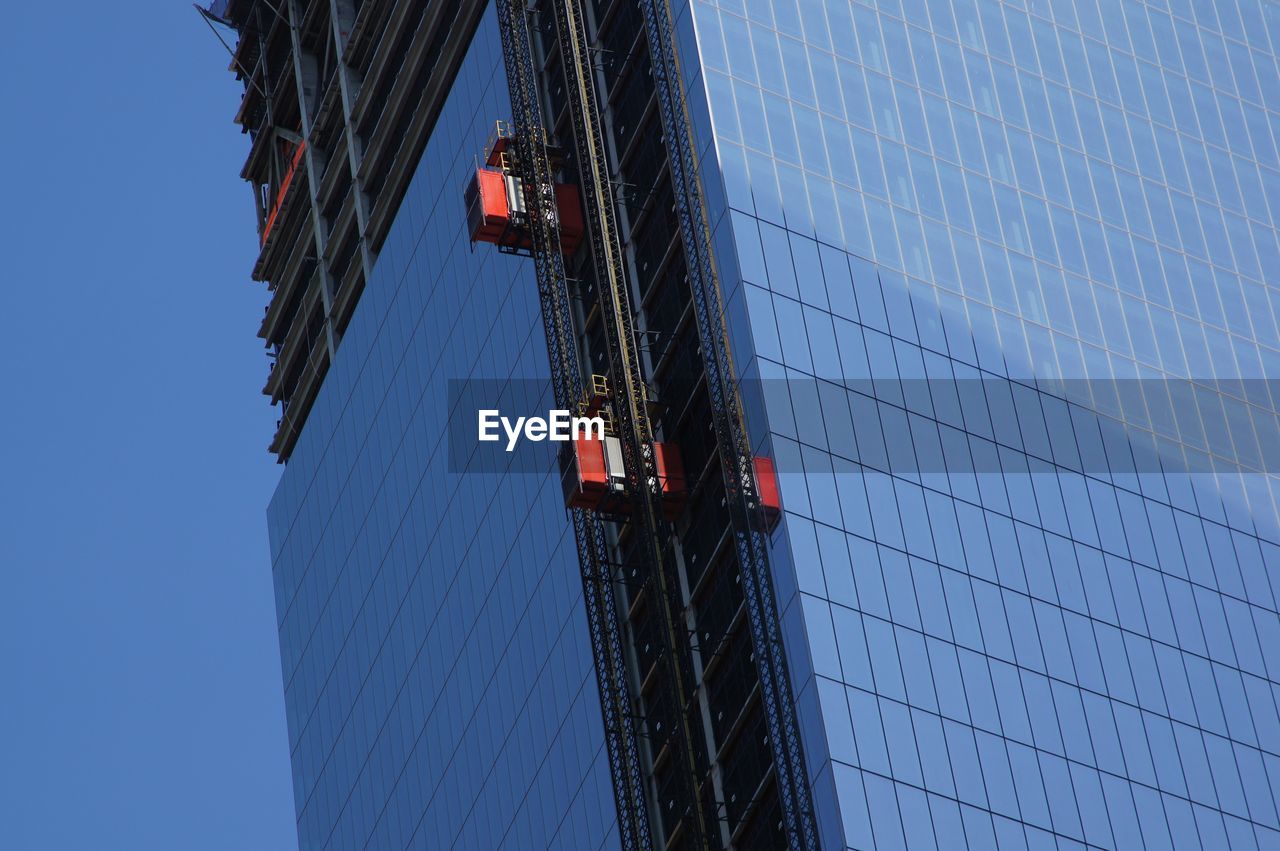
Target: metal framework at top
point(339, 99)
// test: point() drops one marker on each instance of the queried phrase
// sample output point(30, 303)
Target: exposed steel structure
point(630, 475)
point(339, 99)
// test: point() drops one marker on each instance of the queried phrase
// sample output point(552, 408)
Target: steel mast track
point(684, 823)
point(534, 166)
point(732, 440)
point(681, 809)
point(632, 409)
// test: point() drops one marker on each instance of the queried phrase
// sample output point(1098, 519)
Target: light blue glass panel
point(1048, 637)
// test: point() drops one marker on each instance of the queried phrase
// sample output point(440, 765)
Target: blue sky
point(141, 703)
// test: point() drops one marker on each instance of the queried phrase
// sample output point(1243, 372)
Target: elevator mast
point(684, 810)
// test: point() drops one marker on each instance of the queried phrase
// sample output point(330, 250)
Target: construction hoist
point(516, 202)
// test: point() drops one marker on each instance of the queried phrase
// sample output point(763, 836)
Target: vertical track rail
point(635, 429)
point(631, 405)
point(734, 446)
point(599, 599)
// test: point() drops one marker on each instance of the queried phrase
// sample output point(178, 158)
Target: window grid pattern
point(1052, 656)
point(439, 685)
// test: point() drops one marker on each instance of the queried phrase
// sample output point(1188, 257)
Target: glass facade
point(1028, 651)
point(439, 681)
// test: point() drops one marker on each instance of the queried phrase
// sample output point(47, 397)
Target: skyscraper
point(985, 292)
point(1017, 639)
point(438, 684)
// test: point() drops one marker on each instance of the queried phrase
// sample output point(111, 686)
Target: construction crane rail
point(533, 165)
point(683, 806)
point(732, 440)
point(631, 395)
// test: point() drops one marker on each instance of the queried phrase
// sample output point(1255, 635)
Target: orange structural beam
point(284, 190)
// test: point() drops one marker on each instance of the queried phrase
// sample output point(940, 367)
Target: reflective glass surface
point(439, 681)
point(1027, 652)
